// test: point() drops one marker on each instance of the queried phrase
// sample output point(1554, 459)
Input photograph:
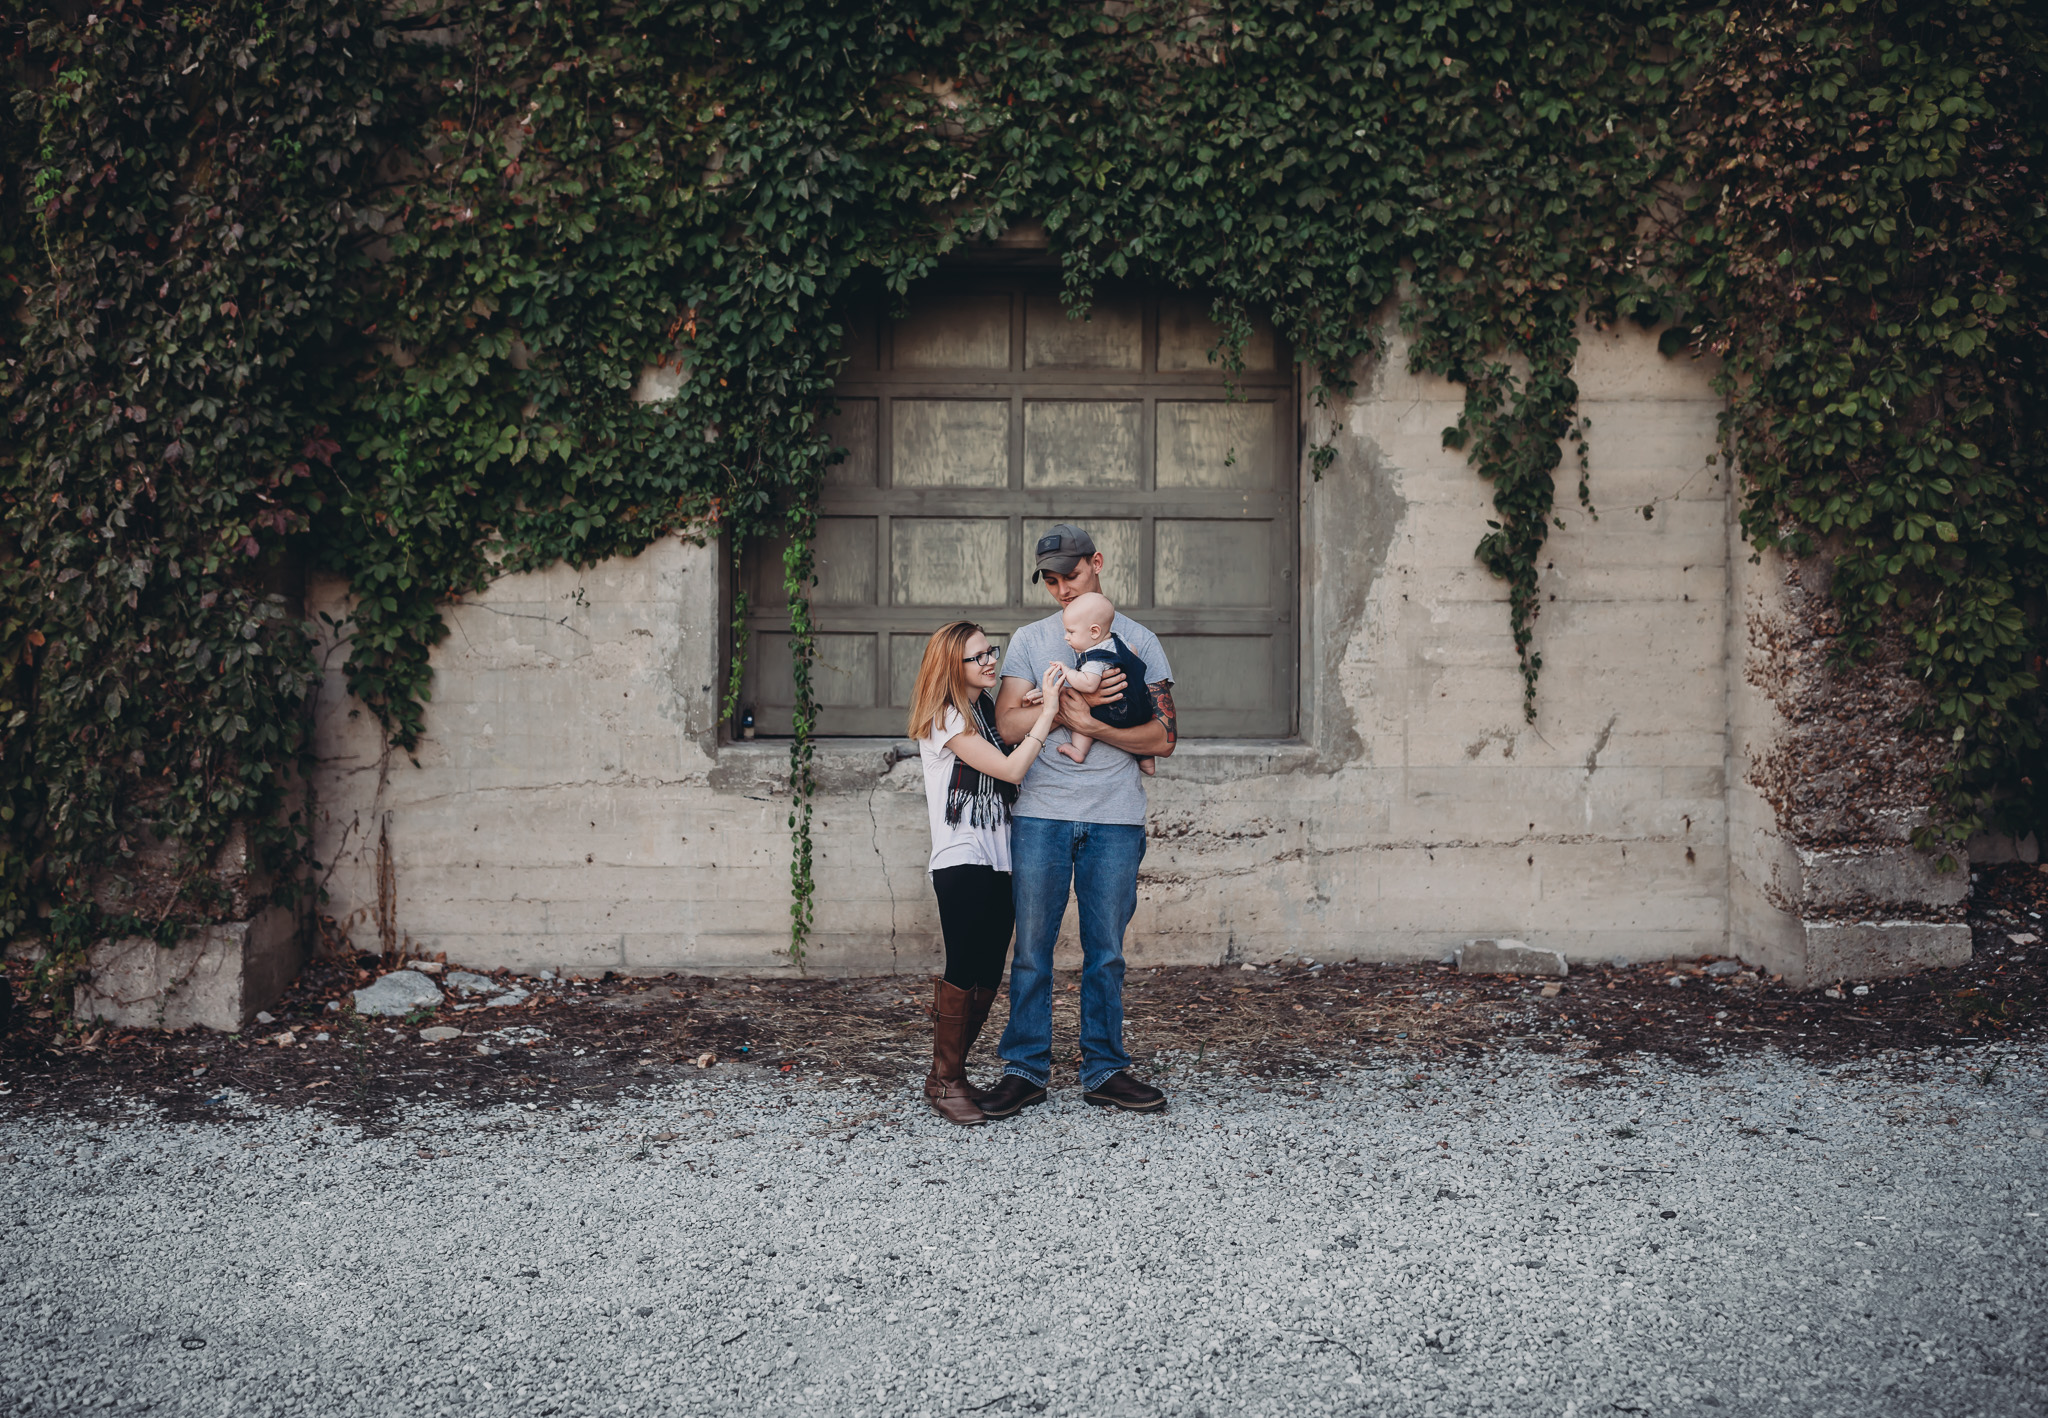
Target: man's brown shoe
point(1010, 1096)
point(1120, 1090)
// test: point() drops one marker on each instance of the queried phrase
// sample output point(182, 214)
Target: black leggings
point(977, 916)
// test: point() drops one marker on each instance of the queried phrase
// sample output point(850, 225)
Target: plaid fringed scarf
point(990, 797)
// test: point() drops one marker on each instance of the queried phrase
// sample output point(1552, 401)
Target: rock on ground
point(400, 992)
point(1456, 1238)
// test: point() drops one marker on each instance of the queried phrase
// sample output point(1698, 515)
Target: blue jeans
point(1100, 862)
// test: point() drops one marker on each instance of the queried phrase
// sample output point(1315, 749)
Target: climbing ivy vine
point(1864, 240)
point(368, 288)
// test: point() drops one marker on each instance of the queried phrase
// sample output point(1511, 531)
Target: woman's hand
point(1049, 709)
point(1012, 764)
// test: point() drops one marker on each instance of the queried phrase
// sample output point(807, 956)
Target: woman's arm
point(978, 753)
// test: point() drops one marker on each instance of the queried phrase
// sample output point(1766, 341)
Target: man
point(1080, 825)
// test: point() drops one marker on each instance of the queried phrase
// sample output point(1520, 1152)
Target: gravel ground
point(1489, 1235)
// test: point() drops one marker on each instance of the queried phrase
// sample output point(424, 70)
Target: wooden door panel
point(944, 561)
point(950, 443)
point(1111, 337)
point(1095, 443)
point(1217, 443)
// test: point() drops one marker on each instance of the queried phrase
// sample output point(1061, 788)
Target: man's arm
point(1014, 718)
point(1155, 738)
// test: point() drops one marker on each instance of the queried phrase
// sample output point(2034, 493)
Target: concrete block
point(1877, 950)
point(1854, 880)
point(215, 978)
point(1508, 957)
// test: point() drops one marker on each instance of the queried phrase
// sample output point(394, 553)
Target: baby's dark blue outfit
point(1135, 707)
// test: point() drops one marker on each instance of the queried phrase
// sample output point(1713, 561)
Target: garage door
point(986, 415)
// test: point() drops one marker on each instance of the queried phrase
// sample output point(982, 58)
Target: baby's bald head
point(1087, 619)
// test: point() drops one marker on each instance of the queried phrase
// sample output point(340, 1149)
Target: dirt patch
point(595, 1039)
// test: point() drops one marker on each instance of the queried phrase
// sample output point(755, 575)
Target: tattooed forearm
point(1162, 709)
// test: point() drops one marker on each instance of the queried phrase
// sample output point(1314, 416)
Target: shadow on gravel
point(601, 1038)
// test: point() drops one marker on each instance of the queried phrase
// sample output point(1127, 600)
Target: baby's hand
point(1055, 676)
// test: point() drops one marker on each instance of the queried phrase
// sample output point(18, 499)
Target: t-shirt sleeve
point(1021, 660)
point(1148, 649)
point(950, 726)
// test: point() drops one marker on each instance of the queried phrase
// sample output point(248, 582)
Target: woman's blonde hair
point(942, 679)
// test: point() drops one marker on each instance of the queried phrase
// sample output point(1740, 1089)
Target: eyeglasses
point(985, 658)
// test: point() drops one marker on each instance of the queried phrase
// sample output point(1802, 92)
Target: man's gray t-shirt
point(1107, 788)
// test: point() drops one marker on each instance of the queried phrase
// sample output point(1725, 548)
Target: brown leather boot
point(945, 1087)
point(979, 1003)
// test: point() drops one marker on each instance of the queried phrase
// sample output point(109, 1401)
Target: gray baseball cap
point(1062, 549)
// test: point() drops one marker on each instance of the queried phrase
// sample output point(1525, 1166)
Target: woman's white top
point(960, 844)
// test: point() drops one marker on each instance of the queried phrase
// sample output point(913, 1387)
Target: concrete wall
point(1825, 789)
point(572, 805)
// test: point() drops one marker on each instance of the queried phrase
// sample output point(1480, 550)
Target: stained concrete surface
point(1772, 1237)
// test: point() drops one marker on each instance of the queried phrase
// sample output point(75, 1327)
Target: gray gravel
point(1773, 1238)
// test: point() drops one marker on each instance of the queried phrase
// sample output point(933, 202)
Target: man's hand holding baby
point(1075, 712)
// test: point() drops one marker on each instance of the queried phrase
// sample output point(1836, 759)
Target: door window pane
point(1187, 336)
point(1219, 563)
point(1082, 444)
point(1220, 673)
point(1112, 337)
point(1219, 444)
point(852, 428)
point(948, 561)
point(843, 554)
point(842, 673)
point(906, 653)
point(956, 332)
point(952, 443)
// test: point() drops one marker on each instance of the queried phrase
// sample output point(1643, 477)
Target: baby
point(1087, 621)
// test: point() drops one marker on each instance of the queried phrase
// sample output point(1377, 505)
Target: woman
point(970, 780)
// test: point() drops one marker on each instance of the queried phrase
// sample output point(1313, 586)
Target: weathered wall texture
point(216, 976)
point(1826, 790)
point(573, 806)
